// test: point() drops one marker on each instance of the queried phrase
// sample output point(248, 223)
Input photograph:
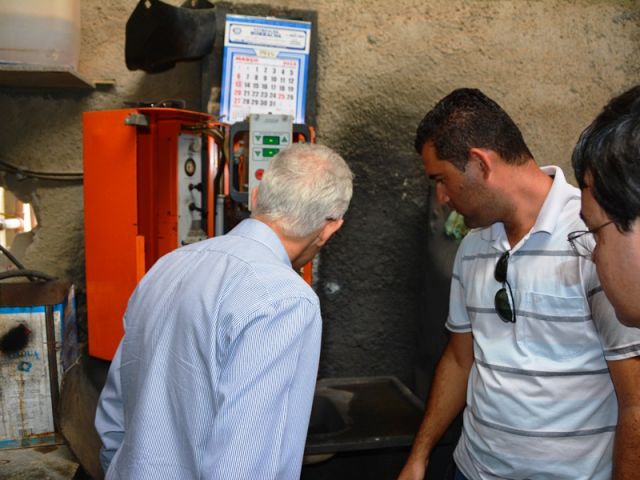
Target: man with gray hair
point(215, 375)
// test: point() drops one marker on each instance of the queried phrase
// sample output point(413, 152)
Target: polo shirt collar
point(558, 196)
point(260, 232)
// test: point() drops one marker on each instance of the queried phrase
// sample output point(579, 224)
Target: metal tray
point(362, 413)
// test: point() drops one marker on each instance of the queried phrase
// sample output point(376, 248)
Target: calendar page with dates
point(265, 67)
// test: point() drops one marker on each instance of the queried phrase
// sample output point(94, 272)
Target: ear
point(485, 159)
point(331, 227)
point(254, 198)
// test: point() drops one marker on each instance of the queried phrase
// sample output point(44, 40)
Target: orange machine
point(156, 179)
point(148, 189)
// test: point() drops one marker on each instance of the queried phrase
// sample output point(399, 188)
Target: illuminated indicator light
point(270, 152)
point(271, 140)
point(259, 173)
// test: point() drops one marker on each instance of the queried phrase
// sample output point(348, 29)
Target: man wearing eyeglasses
point(214, 377)
point(546, 375)
point(606, 163)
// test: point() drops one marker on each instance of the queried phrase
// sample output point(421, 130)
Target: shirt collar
point(559, 194)
point(260, 232)
point(557, 198)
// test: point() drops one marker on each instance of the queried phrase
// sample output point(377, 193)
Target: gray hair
point(304, 186)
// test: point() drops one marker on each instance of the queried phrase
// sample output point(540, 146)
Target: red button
point(259, 173)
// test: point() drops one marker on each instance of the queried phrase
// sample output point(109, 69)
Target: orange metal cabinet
point(134, 202)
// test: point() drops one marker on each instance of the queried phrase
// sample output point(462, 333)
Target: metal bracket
point(137, 120)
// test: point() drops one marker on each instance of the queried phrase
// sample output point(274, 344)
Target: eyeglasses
point(583, 241)
point(504, 300)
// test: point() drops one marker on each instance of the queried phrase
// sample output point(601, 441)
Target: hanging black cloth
point(158, 35)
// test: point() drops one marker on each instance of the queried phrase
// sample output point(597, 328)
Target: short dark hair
point(467, 118)
point(609, 148)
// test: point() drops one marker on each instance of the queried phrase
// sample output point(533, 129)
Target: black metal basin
point(325, 417)
point(350, 414)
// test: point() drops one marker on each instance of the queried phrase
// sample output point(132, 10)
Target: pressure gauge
point(190, 167)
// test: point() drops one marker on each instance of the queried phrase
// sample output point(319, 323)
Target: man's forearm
point(447, 397)
point(626, 457)
point(626, 451)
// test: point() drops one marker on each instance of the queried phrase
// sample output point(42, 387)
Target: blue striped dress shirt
point(215, 375)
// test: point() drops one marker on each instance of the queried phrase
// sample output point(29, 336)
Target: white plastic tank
point(40, 32)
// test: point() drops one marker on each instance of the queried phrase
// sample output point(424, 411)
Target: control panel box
point(190, 171)
point(268, 134)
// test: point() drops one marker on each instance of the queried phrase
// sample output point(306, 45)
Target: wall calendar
point(265, 67)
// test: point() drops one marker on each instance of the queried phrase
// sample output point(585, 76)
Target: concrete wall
point(552, 64)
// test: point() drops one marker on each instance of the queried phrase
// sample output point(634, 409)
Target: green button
point(270, 152)
point(271, 140)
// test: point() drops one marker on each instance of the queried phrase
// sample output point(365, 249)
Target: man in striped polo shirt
point(548, 378)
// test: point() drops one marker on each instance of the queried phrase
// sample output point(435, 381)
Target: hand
point(413, 470)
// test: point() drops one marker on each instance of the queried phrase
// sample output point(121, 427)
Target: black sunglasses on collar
point(504, 300)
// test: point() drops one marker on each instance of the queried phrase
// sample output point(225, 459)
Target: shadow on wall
point(432, 335)
point(434, 301)
point(370, 274)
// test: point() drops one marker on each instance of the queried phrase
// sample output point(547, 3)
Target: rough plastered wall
point(552, 64)
point(382, 65)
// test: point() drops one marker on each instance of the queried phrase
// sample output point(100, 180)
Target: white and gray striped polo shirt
point(540, 401)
